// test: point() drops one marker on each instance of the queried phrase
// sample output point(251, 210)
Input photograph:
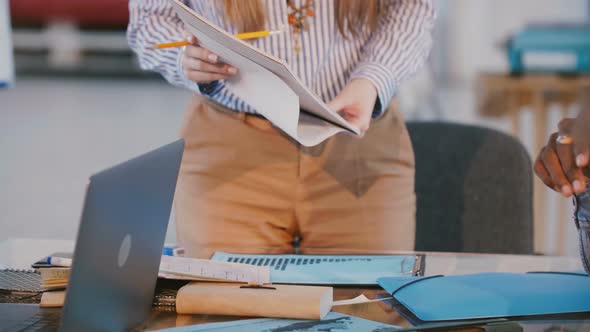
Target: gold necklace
point(298, 20)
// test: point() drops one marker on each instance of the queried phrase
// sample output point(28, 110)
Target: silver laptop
point(118, 249)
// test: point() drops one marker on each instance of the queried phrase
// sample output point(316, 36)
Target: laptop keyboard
point(43, 321)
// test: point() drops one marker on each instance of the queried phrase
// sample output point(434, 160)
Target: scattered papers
point(179, 268)
point(358, 300)
point(332, 322)
point(185, 268)
point(329, 269)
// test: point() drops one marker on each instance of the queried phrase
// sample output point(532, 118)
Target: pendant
point(297, 41)
point(298, 20)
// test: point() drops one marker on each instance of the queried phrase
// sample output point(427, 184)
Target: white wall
point(476, 28)
point(6, 61)
point(469, 41)
point(55, 133)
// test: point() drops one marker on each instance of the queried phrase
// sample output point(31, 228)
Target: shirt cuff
point(582, 219)
point(582, 208)
point(382, 78)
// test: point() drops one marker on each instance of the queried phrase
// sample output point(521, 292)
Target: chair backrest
point(474, 190)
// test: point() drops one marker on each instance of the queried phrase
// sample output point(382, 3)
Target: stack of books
point(54, 278)
point(54, 281)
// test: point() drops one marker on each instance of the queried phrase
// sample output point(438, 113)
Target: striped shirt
point(327, 61)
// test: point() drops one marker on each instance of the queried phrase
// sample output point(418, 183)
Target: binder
point(490, 295)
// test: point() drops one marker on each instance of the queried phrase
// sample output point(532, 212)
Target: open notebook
point(268, 84)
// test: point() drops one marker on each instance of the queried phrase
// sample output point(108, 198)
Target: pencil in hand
point(242, 36)
point(172, 44)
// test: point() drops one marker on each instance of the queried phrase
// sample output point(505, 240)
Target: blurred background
point(73, 100)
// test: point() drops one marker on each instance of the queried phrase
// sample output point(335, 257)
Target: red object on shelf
point(91, 13)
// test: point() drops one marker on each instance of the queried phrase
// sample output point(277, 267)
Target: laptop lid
point(120, 240)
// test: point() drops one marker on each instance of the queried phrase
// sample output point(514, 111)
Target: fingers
point(355, 123)
point(203, 77)
point(565, 153)
point(348, 113)
point(200, 53)
point(553, 166)
point(574, 157)
point(195, 51)
point(581, 135)
point(190, 38)
point(353, 116)
point(335, 105)
point(190, 63)
point(201, 65)
point(542, 172)
point(561, 165)
point(582, 152)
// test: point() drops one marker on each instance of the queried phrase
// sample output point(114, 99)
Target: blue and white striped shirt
point(326, 62)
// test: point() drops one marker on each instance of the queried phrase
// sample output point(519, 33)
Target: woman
point(564, 166)
point(245, 186)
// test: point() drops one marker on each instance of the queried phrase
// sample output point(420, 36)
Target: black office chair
point(474, 190)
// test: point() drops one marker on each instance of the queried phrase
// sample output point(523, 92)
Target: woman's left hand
point(355, 103)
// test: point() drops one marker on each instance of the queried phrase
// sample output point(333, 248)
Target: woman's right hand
point(201, 65)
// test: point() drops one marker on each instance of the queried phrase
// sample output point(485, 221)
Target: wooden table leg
point(540, 191)
point(514, 108)
point(563, 206)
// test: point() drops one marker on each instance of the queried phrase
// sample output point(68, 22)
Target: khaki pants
point(245, 187)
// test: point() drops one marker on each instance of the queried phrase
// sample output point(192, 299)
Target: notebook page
point(253, 62)
point(263, 90)
point(204, 269)
point(327, 269)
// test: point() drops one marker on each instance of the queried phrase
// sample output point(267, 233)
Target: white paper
point(332, 322)
point(267, 84)
point(6, 60)
point(327, 269)
point(185, 268)
point(358, 300)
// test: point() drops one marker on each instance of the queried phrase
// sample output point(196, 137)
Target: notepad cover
point(490, 295)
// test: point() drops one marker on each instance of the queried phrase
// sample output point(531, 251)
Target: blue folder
point(490, 295)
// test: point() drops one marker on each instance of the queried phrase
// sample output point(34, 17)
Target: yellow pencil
point(256, 34)
point(243, 36)
point(172, 44)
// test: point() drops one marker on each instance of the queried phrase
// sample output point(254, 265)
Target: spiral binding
point(24, 286)
point(17, 280)
point(20, 286)
point(166, 298)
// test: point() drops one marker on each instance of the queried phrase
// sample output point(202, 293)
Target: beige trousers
point(245, 187)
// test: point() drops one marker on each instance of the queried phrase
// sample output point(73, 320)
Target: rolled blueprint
point(277, 301)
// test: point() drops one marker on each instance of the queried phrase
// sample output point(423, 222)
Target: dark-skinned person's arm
point(564, 165)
